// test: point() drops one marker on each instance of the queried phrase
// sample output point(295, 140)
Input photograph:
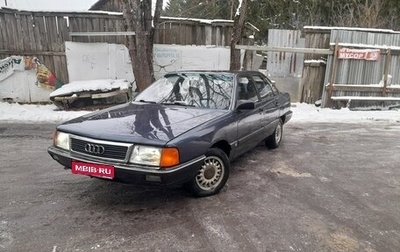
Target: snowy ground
point(16, 113)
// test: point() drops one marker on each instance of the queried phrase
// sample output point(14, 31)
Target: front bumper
point(135, 174)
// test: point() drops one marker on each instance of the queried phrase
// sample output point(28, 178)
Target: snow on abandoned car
point(184, 129)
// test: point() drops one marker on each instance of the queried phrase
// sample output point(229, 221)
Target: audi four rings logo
point(94, 148)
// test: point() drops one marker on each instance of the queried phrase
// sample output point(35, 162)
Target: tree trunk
point(138, 18)
point(238, 29)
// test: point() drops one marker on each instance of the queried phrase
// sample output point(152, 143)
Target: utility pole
point(5, 1)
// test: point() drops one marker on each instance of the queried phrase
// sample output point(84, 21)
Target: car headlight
point(61, 140)
point(153, 156)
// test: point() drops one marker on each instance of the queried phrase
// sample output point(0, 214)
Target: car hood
point(134, 122)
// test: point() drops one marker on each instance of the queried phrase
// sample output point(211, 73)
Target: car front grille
point(101, 149)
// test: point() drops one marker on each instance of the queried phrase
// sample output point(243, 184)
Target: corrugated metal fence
point(283, 64)
point(364, 80)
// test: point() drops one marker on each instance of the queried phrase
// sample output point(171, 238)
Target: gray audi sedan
point(184, 129)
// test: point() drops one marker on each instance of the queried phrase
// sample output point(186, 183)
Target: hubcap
point(210, 174)
point(278, 133)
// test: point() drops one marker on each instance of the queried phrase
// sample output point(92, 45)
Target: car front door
point(249, 126)
point(268, 103)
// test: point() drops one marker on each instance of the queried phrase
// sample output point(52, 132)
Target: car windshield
point(203, 90)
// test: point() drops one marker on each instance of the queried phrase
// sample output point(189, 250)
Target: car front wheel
point(274, 140)
point(212, 176)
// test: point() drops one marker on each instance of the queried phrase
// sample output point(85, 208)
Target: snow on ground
point(302, 113)
point(35, 113)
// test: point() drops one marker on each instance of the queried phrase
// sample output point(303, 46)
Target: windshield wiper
point(180, 103)
point(153, 102)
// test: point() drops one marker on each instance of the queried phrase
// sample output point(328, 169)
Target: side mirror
point(245, 105)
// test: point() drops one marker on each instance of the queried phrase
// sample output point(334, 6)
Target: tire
point(212, 176)
point(274, 140)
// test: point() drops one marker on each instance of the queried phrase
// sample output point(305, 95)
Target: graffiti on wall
point(9, 65)
point(45, 78)
point(165, 58)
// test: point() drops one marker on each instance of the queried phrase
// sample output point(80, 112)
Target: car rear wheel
point(274, 140)
point(212, 176)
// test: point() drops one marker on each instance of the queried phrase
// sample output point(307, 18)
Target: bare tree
point(138, 18)
point(361, 13)
point(371, 14)
point(238, 31)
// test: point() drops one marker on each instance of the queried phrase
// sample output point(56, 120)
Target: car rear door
point(268, 103)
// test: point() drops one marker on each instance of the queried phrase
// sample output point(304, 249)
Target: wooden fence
point(42, 34)
point(311, 82)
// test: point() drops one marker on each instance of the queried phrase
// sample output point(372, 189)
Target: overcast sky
point(47, 5)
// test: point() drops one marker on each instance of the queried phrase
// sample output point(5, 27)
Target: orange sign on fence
point(360, 54)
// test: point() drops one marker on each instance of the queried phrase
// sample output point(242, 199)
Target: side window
point(246, 89)
point(272, 84)
point(276, 91)
point(263, 87)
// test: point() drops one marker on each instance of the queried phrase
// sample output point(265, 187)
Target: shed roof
point(328, 29)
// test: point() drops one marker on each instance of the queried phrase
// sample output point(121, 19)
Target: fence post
point(386, 71)
point(332, 75)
